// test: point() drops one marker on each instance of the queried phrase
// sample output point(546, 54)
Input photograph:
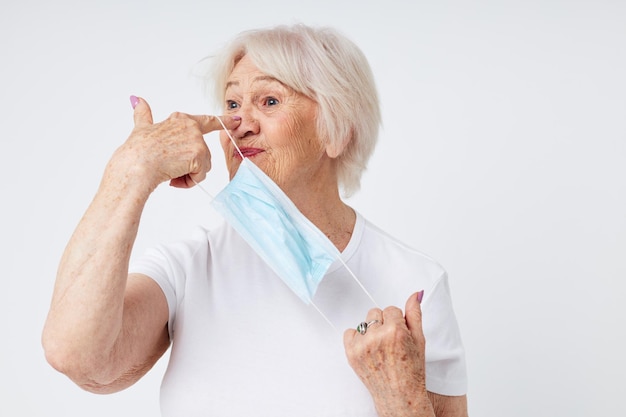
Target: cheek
point(226, 146)
point(302, 136)
point(298, 146)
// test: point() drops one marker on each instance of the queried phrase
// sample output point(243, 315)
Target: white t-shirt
point(245, 345)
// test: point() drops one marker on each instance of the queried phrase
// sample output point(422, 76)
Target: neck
point(325, 209)
point(316, 194)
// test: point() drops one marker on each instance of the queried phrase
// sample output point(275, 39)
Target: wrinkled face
point(277, 130)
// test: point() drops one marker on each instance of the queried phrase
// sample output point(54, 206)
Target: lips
point(248, 152)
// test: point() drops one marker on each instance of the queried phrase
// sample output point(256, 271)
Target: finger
point(348, 337)
point(143, 113)
point(393, 313)
point(374, 314)
point(374, 318)
point(189, 180)
point(185, 181)
point(211, 123)
point(351, 347)
point(197, 172)
point(413, 314)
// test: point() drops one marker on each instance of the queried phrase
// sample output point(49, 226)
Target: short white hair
point(327, 67)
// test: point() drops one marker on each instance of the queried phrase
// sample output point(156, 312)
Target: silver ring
point(363, 326)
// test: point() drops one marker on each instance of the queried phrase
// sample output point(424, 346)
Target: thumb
point(413, 314)
point(143, 113)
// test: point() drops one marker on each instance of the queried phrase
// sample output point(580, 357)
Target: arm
point(447, 406)
point(104, 329)
point(389, 360)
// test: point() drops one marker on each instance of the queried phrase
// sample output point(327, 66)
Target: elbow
point(85, 371)
point(58, 352)
point(59, 356)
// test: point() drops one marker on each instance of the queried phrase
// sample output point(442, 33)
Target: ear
point(334, 150)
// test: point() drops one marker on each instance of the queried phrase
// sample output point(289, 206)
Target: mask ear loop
point(338, 256)
point(357, 281)
point(231, 138)
point(236, 147)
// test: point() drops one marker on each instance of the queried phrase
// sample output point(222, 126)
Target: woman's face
point(278, 127)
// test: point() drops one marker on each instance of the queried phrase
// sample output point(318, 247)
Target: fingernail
point(420, 295)
point(134, 101)
point(236, 118)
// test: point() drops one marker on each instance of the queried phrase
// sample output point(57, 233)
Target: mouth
point(247, 152)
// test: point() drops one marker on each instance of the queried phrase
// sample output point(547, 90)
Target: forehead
point(245, 71)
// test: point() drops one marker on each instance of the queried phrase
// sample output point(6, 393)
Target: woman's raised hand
point(172, 150)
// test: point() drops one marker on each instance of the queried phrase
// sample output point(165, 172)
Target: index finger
point(348, 337)
point(209, 123)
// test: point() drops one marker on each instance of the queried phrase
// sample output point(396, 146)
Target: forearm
point(448, 406)
point(401, 405)
point(85, 317)
point(434, 405)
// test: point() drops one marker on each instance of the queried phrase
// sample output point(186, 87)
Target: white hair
point(330, 69)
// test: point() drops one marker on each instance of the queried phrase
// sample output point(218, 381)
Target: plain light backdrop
point(502, 155)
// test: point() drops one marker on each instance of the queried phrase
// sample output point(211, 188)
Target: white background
point(503, 155)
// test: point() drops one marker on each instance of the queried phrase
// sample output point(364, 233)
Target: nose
point(249, 125)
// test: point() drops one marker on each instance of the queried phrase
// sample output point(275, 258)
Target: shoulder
point(390, 269)
point(199, 243)
point(386, 246)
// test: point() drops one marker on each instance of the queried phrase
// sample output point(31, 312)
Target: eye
point(271, 101)
point(230, 105)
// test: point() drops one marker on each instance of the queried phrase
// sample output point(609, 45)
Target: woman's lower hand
point(172, 150)
point(389, 359)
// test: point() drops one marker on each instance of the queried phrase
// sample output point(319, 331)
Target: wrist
point(404, 405)
point(130, 174)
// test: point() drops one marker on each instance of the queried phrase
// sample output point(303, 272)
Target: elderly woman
point(301, 105)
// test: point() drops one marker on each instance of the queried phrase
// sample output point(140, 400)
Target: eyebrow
point(256, 79)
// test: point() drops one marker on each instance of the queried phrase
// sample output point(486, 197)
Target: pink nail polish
point(236, 118)
point(420, 295)
point(134, 101)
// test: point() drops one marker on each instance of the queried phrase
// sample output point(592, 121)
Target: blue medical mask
point(279, 233)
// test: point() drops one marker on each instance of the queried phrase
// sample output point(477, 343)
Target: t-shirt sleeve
point(445, 355)
point(167, 265)
point(155, 263)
